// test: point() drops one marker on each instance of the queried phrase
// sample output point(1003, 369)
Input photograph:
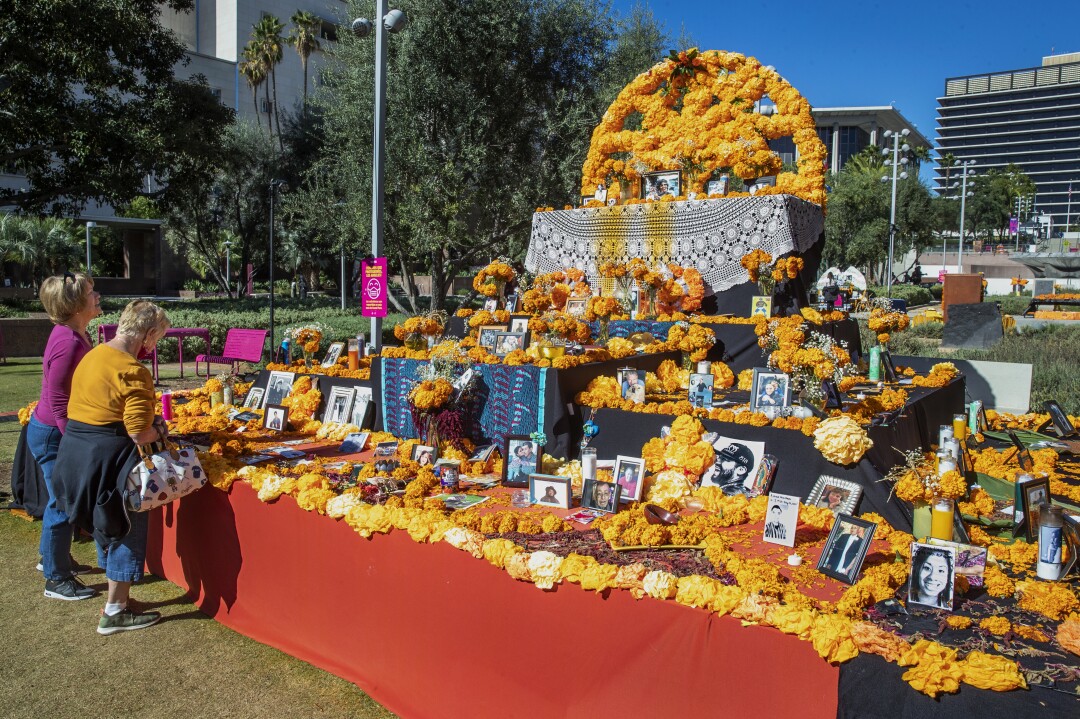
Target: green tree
point(91, 105)
point(305, 39)
point(489, 112)
point(254, 70)
point(42, 245)
point(994, 194)
point(266, 35)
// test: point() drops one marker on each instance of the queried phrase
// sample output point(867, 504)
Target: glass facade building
point(1029, 117)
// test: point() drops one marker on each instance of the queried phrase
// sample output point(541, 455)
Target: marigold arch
point(697, 114)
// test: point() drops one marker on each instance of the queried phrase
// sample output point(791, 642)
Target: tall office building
point(216, 31)
point(1028, 117)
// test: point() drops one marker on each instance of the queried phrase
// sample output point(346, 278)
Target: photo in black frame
point(833, 398)
point(846, 548)
point(1060, 420)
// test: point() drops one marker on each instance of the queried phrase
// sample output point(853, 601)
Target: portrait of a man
point(733, 463)
point(601, 496)
point(775, 528)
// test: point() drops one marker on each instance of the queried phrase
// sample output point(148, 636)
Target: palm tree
point(304, 37)
point(267, 38)
point(254, 71)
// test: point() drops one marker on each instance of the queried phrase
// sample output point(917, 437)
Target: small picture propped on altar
point(761, 306)
point(338, 405)
point(549, 490)
point(332, 353)
point(521, 458)
point(932, 576)
point(491, 304)
point(386, 449)
point(630, 476)
point(482, 453)
point(701, 390)
point(512, 301)
point(424, 455)
point(254, 398)
point(576, 307)
point(781, 519)
point(601, 193)
point(846, 548)
point(632, 382)
point(655, 185)
point(769, 389)
point(735, 465)
point(601, 496)
point(519, 324)
point(970, 560)
point(275, 417)
point(837, 495)
point(278, 387)
point(507, 342)
point(487, 334)
point(362, 407)
point(718, 187)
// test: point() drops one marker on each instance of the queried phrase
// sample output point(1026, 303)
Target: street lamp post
point(89, 226)
point(228, 273)
point(391, 21)
point(275, 187)
point(895, 162)
point(965, 173)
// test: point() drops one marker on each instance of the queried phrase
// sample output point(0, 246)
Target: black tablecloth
point(326, 384)
point(800, 463)
point(27, 482)
point(872, 688)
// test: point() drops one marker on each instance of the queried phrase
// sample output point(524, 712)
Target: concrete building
point(1029, 117)
point(216, 31)
point(847, 130)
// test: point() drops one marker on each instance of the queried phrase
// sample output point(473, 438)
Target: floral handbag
point(162, 476)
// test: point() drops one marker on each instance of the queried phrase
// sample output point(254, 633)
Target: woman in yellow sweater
point(110, 413)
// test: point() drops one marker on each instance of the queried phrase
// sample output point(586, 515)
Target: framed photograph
point(1033, 492)
point(833, 398)
point(338, 405)
point(354, 442)
point(761, 306)
point(630, 476)
point(769, 389)
point(424, 455)
point(781, 518)
point(701, 390)
point(632, 382)
point(482, 453)
point(838, 495)
point(1061, 421)
point(601, 496)
point(464, 380)
point(1023, 456)
point(888, 367)
point(491, 304)
point(386, 449)
point(576, 307)
point(655, 185)
point(519, 324)
point(586, 199)
point(933, 576)
point(735, 465)
point(970, 560)
point(487, 334)
point(254, 398)
point(512, 301)
point(718, 187)
point(332, 353)
point(275, 417)
point(521, 458)
point(764, 476)
point(363, 408)
point(278, 386)
point(601, 193)
point(549, 491)
point(507, 342)
point(846, 548)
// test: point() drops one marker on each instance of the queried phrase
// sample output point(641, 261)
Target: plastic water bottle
point(286, 351)
point(875, 364)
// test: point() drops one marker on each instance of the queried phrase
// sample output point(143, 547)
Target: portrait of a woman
point(931, 580)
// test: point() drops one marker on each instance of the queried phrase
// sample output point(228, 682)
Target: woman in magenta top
point(71, 303)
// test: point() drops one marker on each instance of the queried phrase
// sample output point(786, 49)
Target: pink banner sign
point(374, 286)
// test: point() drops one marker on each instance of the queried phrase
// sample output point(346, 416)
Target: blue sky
point(871, 53)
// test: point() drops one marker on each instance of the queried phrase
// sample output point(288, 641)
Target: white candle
point(794, 560)
point(703, 367)
point(588, 463)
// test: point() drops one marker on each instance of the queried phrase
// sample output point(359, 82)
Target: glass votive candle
point(588, 463)
point(945, 432)
point(941, 519)
point(520, 498)
point(704, 366)
point(946, 463)
point(354, 355)
point(959, 426)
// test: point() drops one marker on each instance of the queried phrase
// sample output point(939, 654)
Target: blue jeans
point(44, 442)
point(123, 561)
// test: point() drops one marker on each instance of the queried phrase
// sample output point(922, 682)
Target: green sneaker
point(126, 621)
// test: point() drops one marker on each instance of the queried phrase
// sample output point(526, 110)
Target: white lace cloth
point(711, 235)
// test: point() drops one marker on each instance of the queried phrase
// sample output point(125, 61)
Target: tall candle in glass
point(166, 405)
point(944, 432)
point(941, 519)
point(588, 463)
point(354, 355)
point(959, 427)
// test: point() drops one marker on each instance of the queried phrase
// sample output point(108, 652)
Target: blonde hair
point(63, 296)
point(140, 318)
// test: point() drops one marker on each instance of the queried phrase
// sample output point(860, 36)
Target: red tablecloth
point(429, 631)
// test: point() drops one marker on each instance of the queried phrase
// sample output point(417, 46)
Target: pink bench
point(240, 346)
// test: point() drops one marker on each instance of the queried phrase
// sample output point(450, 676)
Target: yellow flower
point(841, 440)
point(993, 672)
